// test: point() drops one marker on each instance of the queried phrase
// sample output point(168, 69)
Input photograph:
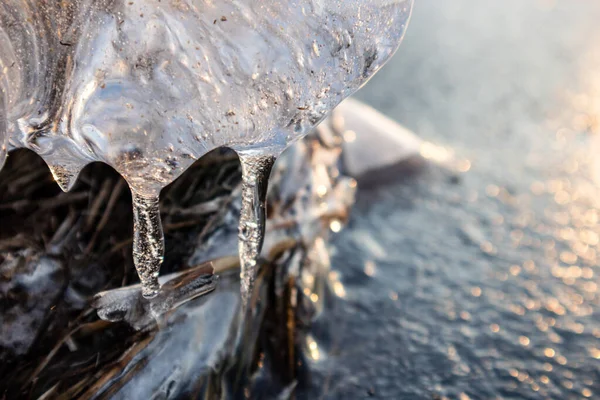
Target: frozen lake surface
point(482, 286)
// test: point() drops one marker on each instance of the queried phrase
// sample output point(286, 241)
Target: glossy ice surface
point(149, 86)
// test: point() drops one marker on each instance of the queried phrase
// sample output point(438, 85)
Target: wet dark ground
point(485, 286)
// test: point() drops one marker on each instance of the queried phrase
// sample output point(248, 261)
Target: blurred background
point(481, 284)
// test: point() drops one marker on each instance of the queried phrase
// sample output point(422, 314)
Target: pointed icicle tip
point(64, 177)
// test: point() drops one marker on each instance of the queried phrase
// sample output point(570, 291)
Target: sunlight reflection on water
point(485, 286)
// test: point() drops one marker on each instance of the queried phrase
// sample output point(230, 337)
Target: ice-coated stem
point(256, 170)
point(148, 242)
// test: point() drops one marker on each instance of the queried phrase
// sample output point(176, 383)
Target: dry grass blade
point(105, 376)
point(97, 203)
point(49, 393)
point(52, 353)
point(112, 201)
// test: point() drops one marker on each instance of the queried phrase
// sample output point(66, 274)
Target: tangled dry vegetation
point(58, 249)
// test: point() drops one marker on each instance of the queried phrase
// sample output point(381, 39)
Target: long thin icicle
point(148, 242)
point(256, 170)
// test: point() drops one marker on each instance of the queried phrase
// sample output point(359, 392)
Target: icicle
point(255, 178)
point(148, 241)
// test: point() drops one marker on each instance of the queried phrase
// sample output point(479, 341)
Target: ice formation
point(149, 86)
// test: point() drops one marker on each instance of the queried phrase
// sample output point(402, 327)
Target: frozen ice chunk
point(149, 86)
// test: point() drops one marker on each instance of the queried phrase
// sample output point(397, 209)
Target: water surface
point(483, 286)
